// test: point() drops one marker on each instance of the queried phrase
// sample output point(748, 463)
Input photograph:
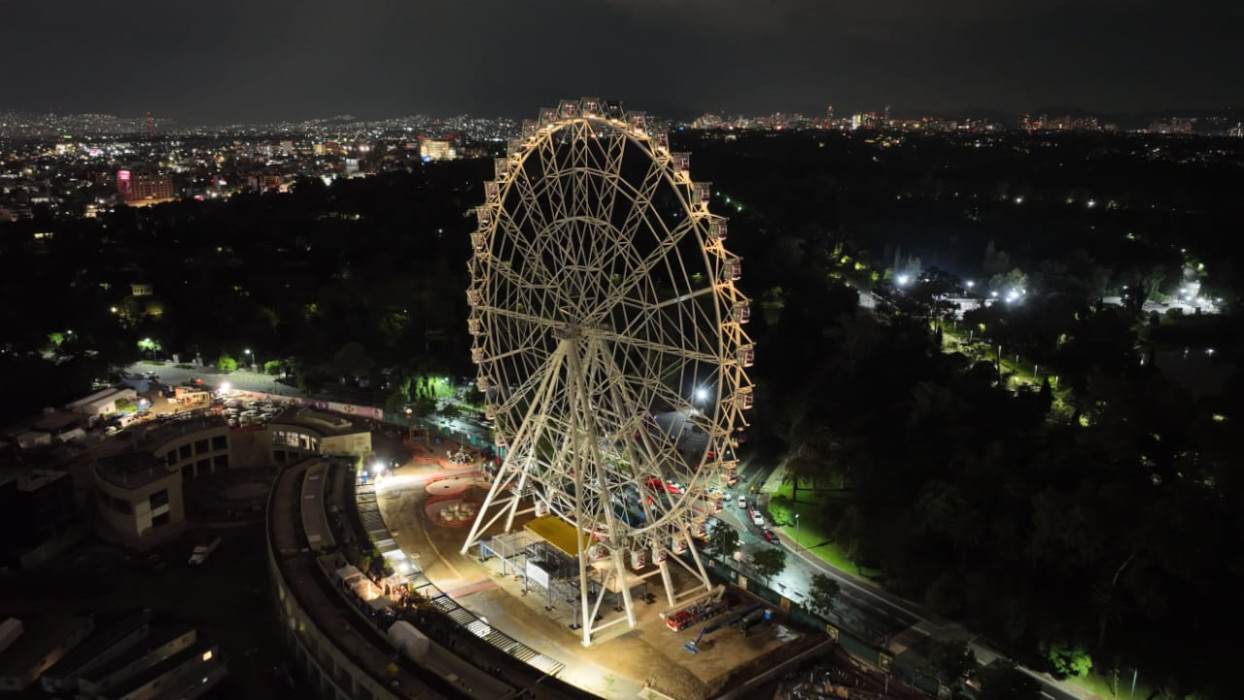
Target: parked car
point(203, 551)
point(770, 537)
point(743, 502)
point(758, 519)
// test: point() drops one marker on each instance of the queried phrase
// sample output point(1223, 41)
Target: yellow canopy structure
point(558, 533)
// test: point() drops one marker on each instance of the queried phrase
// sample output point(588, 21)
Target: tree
point(1002, 681)
point(823, 594)
point(723, 540)
point(769, 562)
point(351, 360)
point(227, 363)
point(395, 402)
point(1069, 661)
point(423, 407)
point(149, 345)
point(952, 662)
point(272, 367)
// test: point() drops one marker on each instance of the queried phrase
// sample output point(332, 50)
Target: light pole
point(250, 355)
point(798, 546)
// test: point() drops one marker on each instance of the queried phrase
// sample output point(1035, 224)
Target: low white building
point(101, 403)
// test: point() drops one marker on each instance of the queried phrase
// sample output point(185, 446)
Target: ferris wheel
point(608, 335)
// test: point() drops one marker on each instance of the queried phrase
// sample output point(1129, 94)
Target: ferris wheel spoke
point(656, 346)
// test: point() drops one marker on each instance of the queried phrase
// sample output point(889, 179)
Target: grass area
point(1100, 685)
point(809, 533)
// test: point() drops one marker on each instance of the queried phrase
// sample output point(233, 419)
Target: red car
point(770, 537)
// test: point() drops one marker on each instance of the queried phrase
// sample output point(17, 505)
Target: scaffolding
point(545, 567)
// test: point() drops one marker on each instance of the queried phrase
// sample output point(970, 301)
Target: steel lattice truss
point(602, 294)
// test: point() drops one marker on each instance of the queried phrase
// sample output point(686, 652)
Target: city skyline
point(262, 63)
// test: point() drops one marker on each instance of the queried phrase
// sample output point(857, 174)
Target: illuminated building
point(437, 149)
point(139, 188)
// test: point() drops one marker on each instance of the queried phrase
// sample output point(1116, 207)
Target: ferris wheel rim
point(693, 223)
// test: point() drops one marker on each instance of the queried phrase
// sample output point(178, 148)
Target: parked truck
point(408, 640)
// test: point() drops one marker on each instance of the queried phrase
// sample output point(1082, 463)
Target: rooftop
point(29, 479)
point(326, 424)
point(41, 635)
point(98, 396)
point(51, 422)
point(131, 469)
point(148, 436)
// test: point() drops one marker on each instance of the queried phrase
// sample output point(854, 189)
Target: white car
point(758, 519)
point(203, 551)
point(743, 502)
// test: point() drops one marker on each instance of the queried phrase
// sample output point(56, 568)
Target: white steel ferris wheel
point(602, 297)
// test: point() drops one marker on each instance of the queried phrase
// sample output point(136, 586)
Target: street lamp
point(251, 355)
point(797, 545)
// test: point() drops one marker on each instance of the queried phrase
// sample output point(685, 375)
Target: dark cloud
point(260, 59)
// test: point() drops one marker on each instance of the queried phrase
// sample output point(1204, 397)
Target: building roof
point(104, 395)
point(42, 635)
point(151, 435)
point(52, 422)
point(161, 632)
point(320, 422)
point(29, 479)
point(97, 644)
point(132, 469)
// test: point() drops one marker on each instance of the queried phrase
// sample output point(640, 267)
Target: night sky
point(258, 60)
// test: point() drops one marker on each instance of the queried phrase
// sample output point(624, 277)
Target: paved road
point(860, 608)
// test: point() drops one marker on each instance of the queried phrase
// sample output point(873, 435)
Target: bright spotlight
point(226, 387)
point(903, 280)
point(701, 394)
